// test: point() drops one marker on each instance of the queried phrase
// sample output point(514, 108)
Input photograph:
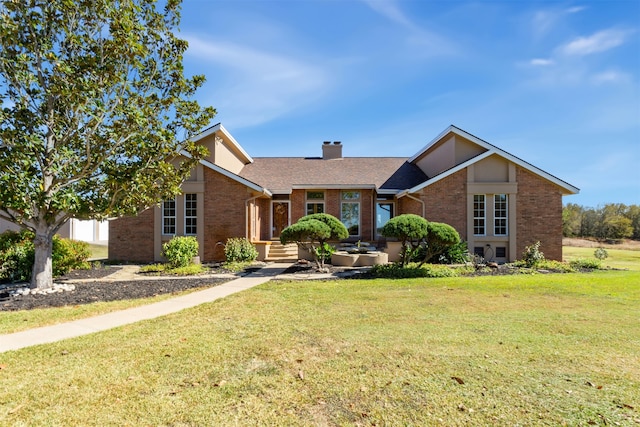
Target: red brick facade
point(539, 215)
point(446, 201)
point(224, 213)
point(131, 238)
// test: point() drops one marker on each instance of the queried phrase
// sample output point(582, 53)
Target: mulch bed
point(104, 290)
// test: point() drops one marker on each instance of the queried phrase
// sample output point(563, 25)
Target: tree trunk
point(42, 273)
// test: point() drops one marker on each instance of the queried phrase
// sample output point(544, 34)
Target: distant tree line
point(612, 221)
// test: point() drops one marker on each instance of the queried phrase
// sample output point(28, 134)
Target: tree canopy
point(95, 111)
point(409, 229)
point(312, 232)
point(439, 238)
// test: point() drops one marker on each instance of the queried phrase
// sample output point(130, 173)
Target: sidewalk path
point(53, 333)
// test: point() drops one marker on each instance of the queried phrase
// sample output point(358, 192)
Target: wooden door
point(280, 218)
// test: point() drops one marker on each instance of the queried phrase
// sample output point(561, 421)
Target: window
point(500, 214)
point(169, 217)
point(315, 202)
point(350, 212)
point(384, 212)
point(478, 215)
point(501, 252)
point(190, 214)
point(478, 250)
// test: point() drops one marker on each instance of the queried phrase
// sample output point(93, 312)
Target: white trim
point(226, 133)
point(190, 216)
point(348, 202)
point(505, 218)
point(491, 149)
point(231, 175)
point(445, 174)
point(175, 216)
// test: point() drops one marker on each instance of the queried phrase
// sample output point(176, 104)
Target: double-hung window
point(350, 212)
point(479, 215)
point(169, 217)
point(500, 214)
point(190, 214)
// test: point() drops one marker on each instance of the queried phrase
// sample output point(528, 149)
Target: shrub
point(586, 263)
point(17, 255)
point(311, 233)
point(325, 251)
point(239, 249)
point(180, 251)
point(439, 238)
point(409, 229)
point(532, 255)
point(456, 254)
point(69, 255)
point(411, 271)
point(601, 254)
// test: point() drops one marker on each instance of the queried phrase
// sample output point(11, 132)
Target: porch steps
point(280, 252)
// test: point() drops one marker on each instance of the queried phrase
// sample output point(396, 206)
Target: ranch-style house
point(497, 202)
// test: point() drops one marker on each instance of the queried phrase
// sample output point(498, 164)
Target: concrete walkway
point(49, 334)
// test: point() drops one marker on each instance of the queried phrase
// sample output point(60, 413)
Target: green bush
point(411, 271)
point(601, 254)
point(180, 251)
point(17, 255)
point(69, 255)
point(456, 254)
point(239, 249)
point(586, 263)
point(532, 255)
point(325, 251)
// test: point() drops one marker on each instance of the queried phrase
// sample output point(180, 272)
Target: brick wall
point(131, 238)
point(539, 215)
point(444, 201)
point(224, 213)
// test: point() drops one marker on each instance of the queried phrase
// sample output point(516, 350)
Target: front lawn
point(505, 350)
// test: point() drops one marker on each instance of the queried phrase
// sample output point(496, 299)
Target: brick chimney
point(331, 151)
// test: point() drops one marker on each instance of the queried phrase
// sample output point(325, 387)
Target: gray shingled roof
point(282, 173)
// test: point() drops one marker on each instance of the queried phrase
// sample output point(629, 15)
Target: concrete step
point(280, 252)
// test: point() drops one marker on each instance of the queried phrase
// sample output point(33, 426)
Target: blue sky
point(554, 83)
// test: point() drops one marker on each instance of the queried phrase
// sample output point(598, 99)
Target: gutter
point(406, 193)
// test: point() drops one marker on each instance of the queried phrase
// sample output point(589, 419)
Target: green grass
point(99, 251)
point(16, 321)
point(618, 258)
point(556, 349)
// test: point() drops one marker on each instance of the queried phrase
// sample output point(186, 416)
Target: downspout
point(406, 193)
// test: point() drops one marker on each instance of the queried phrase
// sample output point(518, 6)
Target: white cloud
point(610, 76)
point(257, 86)
point(390, 10)
point(541, 62)
point(598, 42)
point(428, 42)
point(544, 21)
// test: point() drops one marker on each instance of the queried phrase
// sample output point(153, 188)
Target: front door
point(279, 218)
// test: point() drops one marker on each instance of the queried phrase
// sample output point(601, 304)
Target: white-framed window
point(500, 215)
point(169, 217)
point(479, 215)
point(190, 214)
point(350, 212)
point(315, 202)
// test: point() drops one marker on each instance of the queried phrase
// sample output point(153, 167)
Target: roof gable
point(489, 151)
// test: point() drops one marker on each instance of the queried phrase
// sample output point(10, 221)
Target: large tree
point(95, 111)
